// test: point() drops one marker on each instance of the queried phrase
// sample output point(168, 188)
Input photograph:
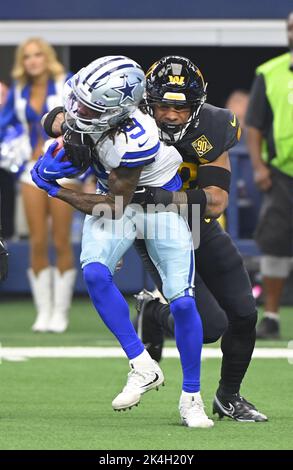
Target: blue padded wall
point(130, 279)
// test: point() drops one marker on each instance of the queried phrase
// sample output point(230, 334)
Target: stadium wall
point(130, 279)
point(133, 9)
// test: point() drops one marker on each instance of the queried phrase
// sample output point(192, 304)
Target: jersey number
point(188, 174)
point(136, 125)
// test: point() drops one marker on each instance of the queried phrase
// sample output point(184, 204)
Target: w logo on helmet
point(175, 80)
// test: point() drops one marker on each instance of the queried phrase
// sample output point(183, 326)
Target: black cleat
point(149, 330)
point(236, 407)
point(268, 328)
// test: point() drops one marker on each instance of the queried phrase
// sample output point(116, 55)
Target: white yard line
point(18, 354)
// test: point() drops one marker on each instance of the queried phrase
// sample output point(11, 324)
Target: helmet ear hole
point(175, 81)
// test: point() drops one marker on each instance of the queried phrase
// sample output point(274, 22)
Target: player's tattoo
point(86, 202)
point(179, 198)
point(217, 201)
point(57, 124)
point(209, 203)
point(122, 182)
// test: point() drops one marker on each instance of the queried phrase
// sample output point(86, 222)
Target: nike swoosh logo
point(141, 145)
point(230, 409)
point(152, 381)
point(224, 408)
point(234, 122)
point(47, 172)
point(141, 191)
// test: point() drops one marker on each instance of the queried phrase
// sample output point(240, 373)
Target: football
point(65, 158)
point(59, 146)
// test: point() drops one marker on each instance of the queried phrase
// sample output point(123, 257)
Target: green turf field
point(66, 403)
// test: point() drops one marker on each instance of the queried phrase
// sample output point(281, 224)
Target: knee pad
point(211, 331)
point(97, 275)
point(241, 312)
point(275, 266)
point(182, 306)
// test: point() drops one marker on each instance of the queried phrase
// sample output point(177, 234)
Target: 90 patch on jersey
point(202, 145)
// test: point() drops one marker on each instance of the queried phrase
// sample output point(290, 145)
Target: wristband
point(49, 119)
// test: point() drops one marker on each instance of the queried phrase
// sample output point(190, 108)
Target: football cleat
point(140, 380)
point(192, 412)
point(236, 407)
point(150, 332)
point(268, 328)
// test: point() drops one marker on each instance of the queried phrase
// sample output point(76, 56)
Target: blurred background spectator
point(7, 184)
point(38, 83)
point(270, 141)
point(237, 102)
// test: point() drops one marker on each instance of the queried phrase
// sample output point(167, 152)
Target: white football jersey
point(138, 145)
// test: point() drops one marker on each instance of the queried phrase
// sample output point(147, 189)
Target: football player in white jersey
point(102, 101)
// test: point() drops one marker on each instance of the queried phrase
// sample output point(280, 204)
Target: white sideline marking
point(18, 354)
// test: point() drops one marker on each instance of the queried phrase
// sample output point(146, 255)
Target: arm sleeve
point(258, 107)
point(7, 114)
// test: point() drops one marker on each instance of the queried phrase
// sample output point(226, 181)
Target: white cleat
point(140, 380)
point(192, 412)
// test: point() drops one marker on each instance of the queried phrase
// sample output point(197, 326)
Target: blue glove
point(51, 187)
point(52, 168)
